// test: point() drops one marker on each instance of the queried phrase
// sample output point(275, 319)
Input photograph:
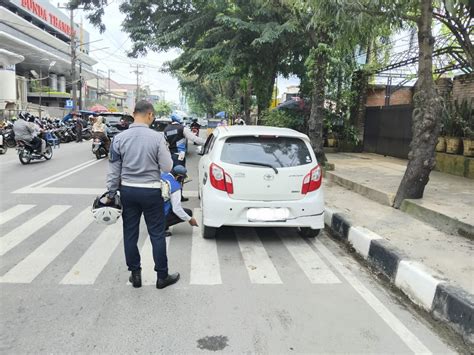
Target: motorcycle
point(98, 148)
point(86, 133)
point(3, 146)
point(26, 153)
point(9, 138)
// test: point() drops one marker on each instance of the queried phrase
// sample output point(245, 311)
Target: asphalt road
point(63, 281)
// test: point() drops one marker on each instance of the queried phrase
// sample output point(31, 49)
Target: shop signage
point(45, 12)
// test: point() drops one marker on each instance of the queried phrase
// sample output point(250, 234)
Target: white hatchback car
point(261, 177)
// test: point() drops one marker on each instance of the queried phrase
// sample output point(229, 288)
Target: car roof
point(231, 131)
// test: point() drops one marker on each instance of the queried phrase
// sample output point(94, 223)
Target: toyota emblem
point(268, 177)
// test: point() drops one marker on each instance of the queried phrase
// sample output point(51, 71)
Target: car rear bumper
point(220, 210)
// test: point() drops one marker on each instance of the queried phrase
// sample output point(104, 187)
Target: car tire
point(306, 232)
point(208, 232)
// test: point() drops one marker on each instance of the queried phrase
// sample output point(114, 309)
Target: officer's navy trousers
point(149, 202)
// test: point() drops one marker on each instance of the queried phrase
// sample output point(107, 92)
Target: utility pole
point(73, 62)
point(110, 71)
point(80, 86)
point(41, 89)
point(138, 73)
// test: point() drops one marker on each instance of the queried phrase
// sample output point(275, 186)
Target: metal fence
point(388, 130)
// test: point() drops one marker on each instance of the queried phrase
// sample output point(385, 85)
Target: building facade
point(35, 58)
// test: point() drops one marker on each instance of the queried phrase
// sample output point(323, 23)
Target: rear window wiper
point(259, 164)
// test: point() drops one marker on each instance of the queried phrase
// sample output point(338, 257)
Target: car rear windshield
point(279, 152)
point(114, 119)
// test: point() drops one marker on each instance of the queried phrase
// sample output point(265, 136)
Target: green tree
point(163, 108)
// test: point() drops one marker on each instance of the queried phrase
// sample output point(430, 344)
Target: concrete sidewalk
point(433, 268)
point(447, 203)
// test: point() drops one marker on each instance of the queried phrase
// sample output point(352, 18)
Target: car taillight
point(220, 179)
point(312, 181)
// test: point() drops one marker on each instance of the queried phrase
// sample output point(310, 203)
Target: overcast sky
point(115, 57)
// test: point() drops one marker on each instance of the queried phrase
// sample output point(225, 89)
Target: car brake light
point(312, 181)
point(220, 179)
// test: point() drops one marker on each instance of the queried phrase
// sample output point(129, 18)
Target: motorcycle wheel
point(24, 159)
point(101, 153)
point(48, 154)
point(3, 149)
point(10, 143)
point(87, 136)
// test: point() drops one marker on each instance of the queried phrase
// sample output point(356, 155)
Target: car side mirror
point(200, 150)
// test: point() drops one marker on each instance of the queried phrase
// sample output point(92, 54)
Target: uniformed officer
point(137, 158)
point(176, 135)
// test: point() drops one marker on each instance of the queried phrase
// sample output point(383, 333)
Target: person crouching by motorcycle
point(176, 135)
point(174, 212)
point(99, 130)
point(26, 130)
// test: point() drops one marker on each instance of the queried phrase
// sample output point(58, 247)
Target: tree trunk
point(426, 115)
point(247, 97)
point(315, 122)
point(361, 85)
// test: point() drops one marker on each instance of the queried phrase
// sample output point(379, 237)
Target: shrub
point(283, 118)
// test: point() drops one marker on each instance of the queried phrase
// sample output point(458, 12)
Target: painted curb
point(449, 304)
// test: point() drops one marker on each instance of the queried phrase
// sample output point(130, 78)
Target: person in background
point(27, 131)
point(99, 130)
point(138, 156)
point(223, 122)
point(79, 126)
point(174, 211)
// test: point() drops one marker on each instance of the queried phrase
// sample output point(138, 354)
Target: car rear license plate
point(268, 214)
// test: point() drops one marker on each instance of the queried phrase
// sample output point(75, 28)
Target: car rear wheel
point(308, 232)
point(207, 232)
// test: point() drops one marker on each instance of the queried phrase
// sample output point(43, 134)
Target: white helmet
point(107, 214)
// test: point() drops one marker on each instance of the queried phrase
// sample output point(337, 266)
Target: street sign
point(69, 104)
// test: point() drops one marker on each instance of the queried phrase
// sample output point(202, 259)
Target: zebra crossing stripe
point(259, 266)
point(13, 212)
point(205, 268)
point(19, 234)
point(308, 260)
point(89, 266)
point(30, 267)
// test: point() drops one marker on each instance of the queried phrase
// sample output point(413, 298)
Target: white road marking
point(30, 267)
point(89, 266)
point(36, 183)
point(308, 260)
point(259, 266)
point(21, 233)
point(61, 191)
point(393, 322)
point(66, 174)
point(147, 263)
point(13, 212)
point(205, 268)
